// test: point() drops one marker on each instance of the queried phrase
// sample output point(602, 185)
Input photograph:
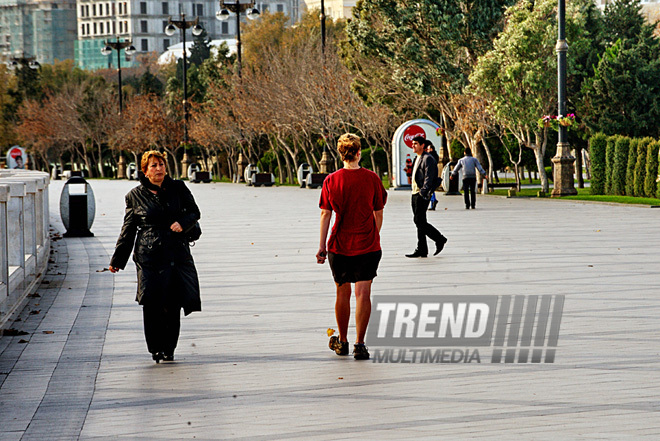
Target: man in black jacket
point(425, 173)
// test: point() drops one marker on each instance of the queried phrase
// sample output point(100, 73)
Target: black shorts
point(351, 269)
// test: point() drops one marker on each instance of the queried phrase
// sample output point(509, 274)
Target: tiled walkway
point(255, 364)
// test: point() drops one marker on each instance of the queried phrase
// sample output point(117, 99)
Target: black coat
point(165, 268)
point(427, 175)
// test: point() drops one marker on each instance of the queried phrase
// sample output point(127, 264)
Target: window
point(280, 7)
point(225, 27)
point(165, 23)
point(143, 7)
point(94, 10)
point(198, 9)
point(94, 28)
point(82, 10)
point(166, 44)
point(82, 29)
point(143, 26)
point(87, 26)
point(86, 10)
point(107, 9)
point(114, 27)
point(144, 45)
point(166, 8)
point(101, 29)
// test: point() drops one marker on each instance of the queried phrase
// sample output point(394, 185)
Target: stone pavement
point(255, 363)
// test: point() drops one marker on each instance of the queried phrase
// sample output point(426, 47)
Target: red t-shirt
point(353, 195)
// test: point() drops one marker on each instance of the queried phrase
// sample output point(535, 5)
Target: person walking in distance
point(470, 165)
point(430, 149)
point(159, 212)
point(357, 197)
point(425, 175)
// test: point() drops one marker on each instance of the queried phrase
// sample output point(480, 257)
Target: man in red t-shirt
point(357, 197)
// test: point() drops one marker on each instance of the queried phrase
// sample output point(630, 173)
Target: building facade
point(45, 30)
point(143, 22)
point(335, 9)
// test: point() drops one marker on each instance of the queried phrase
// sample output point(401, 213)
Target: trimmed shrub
point(620, 164)
point(640, 166)
point(609, 162)
point(597, 148)
point(650, 186)
point(630, 167)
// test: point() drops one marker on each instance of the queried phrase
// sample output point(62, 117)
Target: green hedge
point(609, 162)
point(597, 148)
point(650, 185)
point(619, 166)
point(630, 167)
point(624, 166)
point(640, 166)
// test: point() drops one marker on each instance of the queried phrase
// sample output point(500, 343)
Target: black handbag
point(194, 233)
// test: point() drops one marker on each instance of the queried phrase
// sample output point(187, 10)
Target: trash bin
point(132, 171)
point(250, 171)
point(303, 171)
point(77, 207)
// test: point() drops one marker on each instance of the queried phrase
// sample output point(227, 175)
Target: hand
point(321, 256)
point(176, 227)
point(451, 177)
point(113, 269)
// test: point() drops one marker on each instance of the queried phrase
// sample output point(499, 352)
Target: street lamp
point(117, 45)
point(237, 7)
point(563, 160)
point(197, 30)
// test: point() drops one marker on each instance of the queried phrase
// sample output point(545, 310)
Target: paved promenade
point(255, 363)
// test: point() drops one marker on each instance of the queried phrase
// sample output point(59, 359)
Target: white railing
point(24, 240)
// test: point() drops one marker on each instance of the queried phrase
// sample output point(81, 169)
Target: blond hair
point(348, 146)
point(144, 163)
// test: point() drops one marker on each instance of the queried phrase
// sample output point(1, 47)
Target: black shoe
point(417, 253)
point(168, 357)
point(360, 351)
point(340, 347)
point(435, 204)
point(474, 208)
point(440, 245)
point(158, 356)
point(467, 208)
point(431, 208)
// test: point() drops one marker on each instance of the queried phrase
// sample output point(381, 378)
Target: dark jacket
point(426, 175)
point(162, 257)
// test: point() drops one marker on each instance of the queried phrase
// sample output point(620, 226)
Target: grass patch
point(585, 195)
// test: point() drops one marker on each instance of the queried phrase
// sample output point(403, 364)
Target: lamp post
point(323, 27)
point(117, 45)
point(237, 7)
point(563, 160)
point(170, 30)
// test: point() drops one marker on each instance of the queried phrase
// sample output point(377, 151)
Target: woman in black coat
point(159, 212)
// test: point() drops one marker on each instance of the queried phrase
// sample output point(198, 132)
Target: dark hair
point(428, 143)
point(467, 151)
point(348, 146)
point(419, 139)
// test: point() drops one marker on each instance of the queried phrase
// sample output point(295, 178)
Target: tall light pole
point(118, 46)
point(236, 6)
point(323, 27)
point(563, 160)
point(170, 30)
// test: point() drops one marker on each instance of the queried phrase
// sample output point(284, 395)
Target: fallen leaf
point(22, 341)
point(35, 312)
point(11, 332)
point(48, 332)
point(330, 332)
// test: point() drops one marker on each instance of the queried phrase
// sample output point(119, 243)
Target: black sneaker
point(360, 351)
point(340, 347)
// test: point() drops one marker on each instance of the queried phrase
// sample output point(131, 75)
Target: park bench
point(265, 179)
point(315, 180)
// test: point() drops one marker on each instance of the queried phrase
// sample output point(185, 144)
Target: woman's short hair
point(144, 163)
point(348, 146)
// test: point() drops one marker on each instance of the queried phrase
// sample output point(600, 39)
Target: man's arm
point(378, 215)
point(322, 253)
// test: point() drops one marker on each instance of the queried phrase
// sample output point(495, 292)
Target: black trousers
point(161, 327)
point(469, 190)
point(424, 229)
